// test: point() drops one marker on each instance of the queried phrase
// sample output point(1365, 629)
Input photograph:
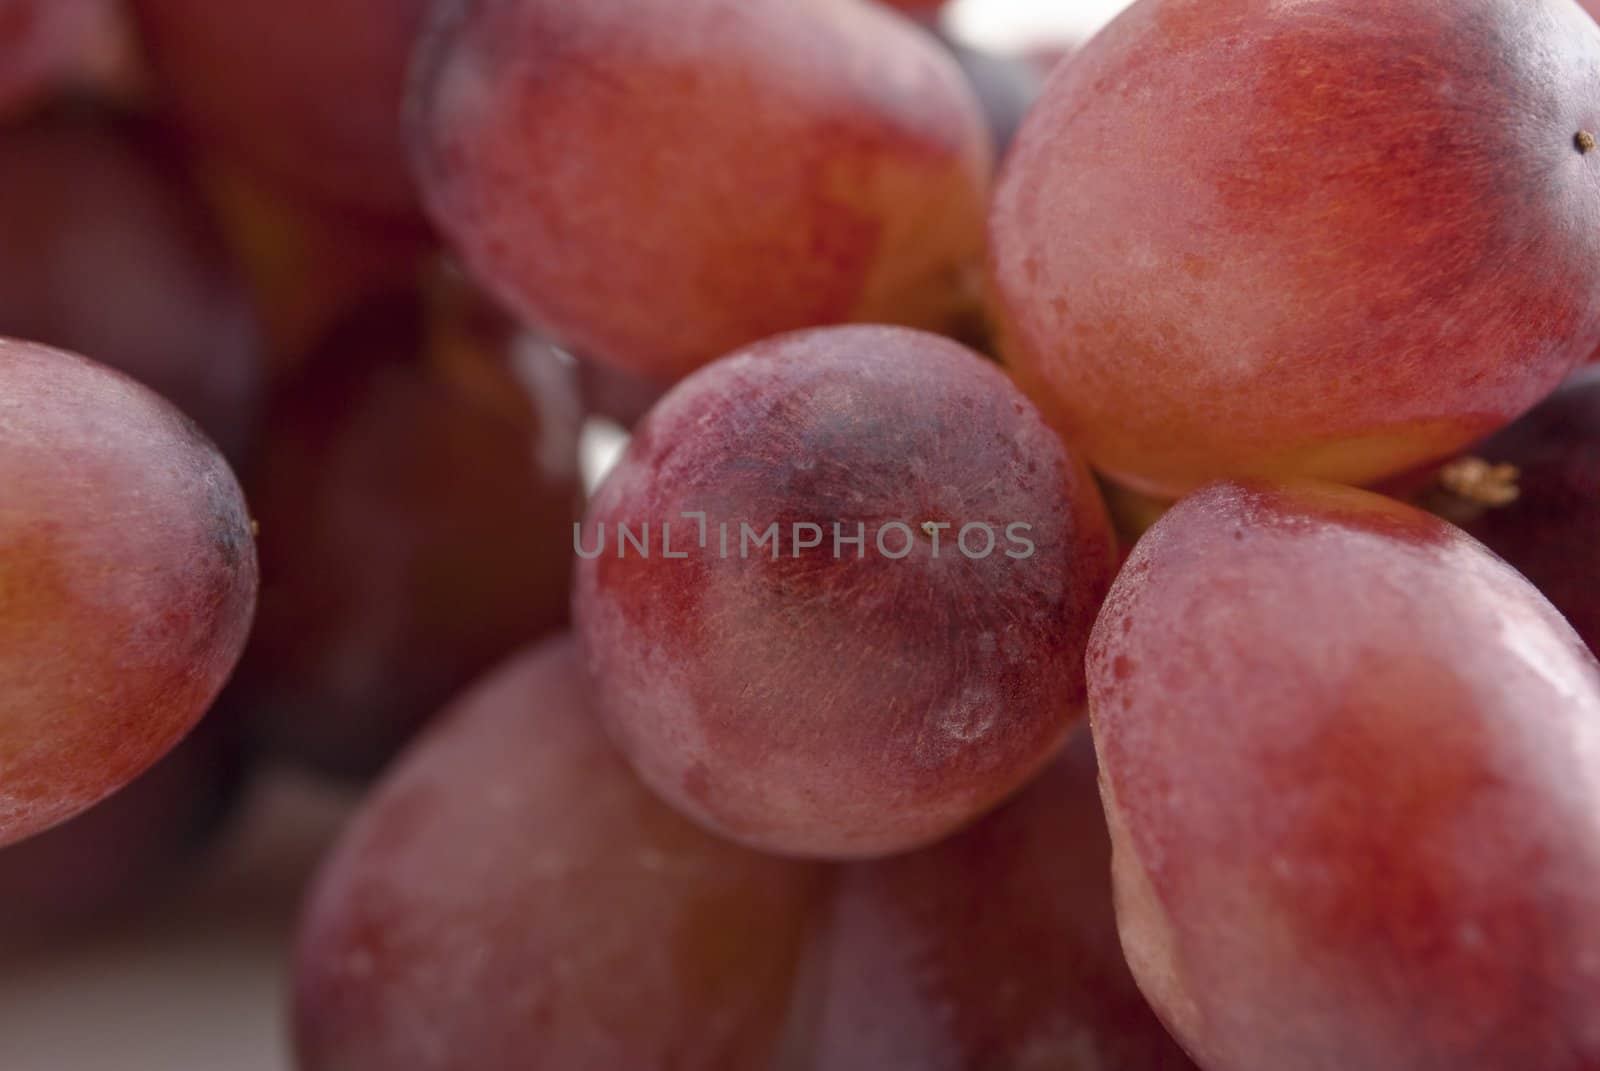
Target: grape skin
point(849, 706)
point(809, 163)
point(127, 582)
point(417, 487)
point(109, 252)
point(306, 92)
point(37, 42)
point(1226, 243)
point(1351, 764)
point(511, 897)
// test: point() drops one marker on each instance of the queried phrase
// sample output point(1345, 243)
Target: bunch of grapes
point(1103, 571)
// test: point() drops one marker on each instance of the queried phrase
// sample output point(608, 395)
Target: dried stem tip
point(1479, 482)
point(1584, 141)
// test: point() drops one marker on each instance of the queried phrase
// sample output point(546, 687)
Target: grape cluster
point(1104, 571)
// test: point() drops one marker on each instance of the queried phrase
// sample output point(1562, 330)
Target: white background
point(198, 984)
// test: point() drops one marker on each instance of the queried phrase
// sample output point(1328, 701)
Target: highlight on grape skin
point(129, 574)
point(513, 897)
point(842, 700)
point(822, 162)
point(1350, 762)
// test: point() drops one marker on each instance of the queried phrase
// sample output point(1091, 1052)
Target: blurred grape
point(512, 897)
point(38, 41)
point(310, 263)
point(416, 492)
point(307, 91)
point(108, 251)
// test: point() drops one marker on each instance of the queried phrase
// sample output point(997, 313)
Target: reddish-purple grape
point(810, 695)
point(1351, 764)
point(512, 897)
point(127, 582)
point(308, 92)
point(416, 489)
point(810, 163)
point(108, 251)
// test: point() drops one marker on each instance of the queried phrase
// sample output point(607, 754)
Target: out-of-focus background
point(197, 982)
point(1025, 23)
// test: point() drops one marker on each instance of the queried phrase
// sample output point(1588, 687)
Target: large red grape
point(417, 489)
point(995, 949)
point(1351, 763)
point(108, 251)
point(511, 897)
point(1551, 533)
point(846, 699)
point(1334, 239)
point(308, 91)
point(657, 182)
point(127, 582)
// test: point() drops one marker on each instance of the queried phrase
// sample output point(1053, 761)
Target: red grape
point(107, 252)
point(1551, 533)
point(127, 582)
point(995, 949)
point(311, 263)
point(850, 699)
point(1351, 763)
point(307, 91)
point(808, 163)
point(1330, 239)
point(511, 897)
point(37, 41)
point(416, 498)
